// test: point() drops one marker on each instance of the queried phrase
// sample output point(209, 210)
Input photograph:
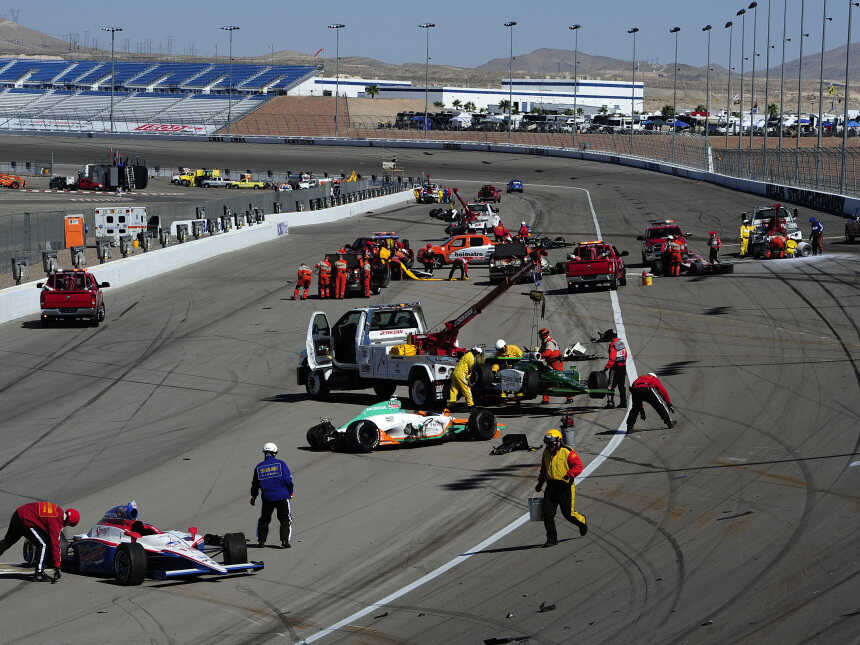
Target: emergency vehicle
point(114, 221)
point(656, 235)
point(595, 262)
point(477, 249)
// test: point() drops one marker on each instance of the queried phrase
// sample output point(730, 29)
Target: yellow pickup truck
point(247, 181)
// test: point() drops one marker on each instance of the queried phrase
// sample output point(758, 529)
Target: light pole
point(799, 92)
point(675, 30)
point(510, 25)
point(731, 27)
point(707, 28)
point(634, 31)
point(766, 90)
point(824, 20)
point(112, 31)
point(754, 7)
point(337, 27)
point(230, 29)
point(426, 26)
point(743, 14)
point(842, 176)
point(785, 39)
point(575, 30)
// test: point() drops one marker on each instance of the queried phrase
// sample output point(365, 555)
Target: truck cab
point(72, 294)
point(475, 248)
point(657, 235)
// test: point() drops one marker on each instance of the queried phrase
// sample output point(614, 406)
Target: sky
point(467, 33)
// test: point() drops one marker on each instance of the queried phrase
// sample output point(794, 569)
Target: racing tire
point(129, 564)
point(363, 436)
point(597, 380)
point(421, 391)
point(482, 376)
point(531, 384)
point(435, 211)
point(316, 385)
point(482, 425)
point(805, 250)
point(235, 548)
point(698, 267)
point(384, 389)
point(321, 436)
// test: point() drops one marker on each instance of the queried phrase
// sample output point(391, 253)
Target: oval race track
point(738, 525)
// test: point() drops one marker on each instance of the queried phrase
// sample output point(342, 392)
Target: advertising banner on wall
point(125, 127)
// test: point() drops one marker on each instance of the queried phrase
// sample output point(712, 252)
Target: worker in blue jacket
point(272, 479)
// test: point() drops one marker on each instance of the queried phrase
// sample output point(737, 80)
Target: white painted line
point(506, 530)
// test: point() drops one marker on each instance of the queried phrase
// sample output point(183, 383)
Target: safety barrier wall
point(23, 300)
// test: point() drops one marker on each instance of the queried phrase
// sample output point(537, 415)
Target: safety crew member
point(274, 483)
point(816, 236)
point(524, 230)
point(365, 274)
point(340, 268)
point(384, 254)
point(746, 231)
point(672, 257)
point(425, 256)
point(506, 350)
point(776, 248)
point(617, 368)
point(500, 232)
point(649, 388)
point(40, 523)
point(303, 280)
point(559, 466)
point(324, 278)
point(550, 352)
point(463, 265)
point(461, 375)
point(714, 244)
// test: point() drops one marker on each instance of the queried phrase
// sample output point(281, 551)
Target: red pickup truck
point(72, 294)
point(595, 262)
point(489, 193)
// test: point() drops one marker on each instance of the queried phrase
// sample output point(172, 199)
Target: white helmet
point(522, 223)
point(477, 350)
point(501, 344)
point(652, 374)
point(270, 447)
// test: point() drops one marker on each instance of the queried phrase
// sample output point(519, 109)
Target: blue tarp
point(678, 124)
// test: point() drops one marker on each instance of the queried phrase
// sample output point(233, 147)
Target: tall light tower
point(634, 31)
point(785, 39)
point(337, 27)
point(575, 30)
point(707, 29)
point(766, 90)
point(112, 31)
point(754, 7)
point(843, 176)
point(824, 20)
point(675, 30)
point(799, 90)
point(426, 26)
point(743, 14)
point(230, 29)
point(510, 25)
point(731, 27)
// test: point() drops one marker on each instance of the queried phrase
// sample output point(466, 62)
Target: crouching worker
point(558, 468)
point(40, 523)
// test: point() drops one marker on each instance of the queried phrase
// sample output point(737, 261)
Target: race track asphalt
point(738, 525)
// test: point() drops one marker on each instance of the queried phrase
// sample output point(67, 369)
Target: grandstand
point(43, 91)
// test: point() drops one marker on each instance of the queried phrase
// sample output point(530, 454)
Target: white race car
point(386, 424)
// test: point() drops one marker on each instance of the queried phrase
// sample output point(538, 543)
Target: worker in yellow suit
point(746, 231)
point(790, 248)
point(460, 378)
point(505, 350)
point(559, 468)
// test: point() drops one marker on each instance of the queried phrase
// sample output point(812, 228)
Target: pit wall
point(23, 300)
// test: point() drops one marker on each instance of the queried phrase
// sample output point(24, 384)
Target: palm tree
point(372, 90)
point(504, 105)
point(456, 103)
point(667, 111)
point(438, 104)
point(603, 110)
point(470, 106)
point(772, 111)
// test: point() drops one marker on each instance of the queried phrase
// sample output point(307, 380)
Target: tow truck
point(595, 262)
point(384, 346)
point(474, 218)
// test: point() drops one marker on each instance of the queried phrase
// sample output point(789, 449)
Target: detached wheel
point(318, 436)
point(235, 548)
point(363, 436)
point(597, 380)
point(316, 385)
point(421, 391)
point(482, 425)
point(129, 564)
point(384, 389)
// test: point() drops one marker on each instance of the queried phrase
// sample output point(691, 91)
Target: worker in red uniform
point(501, 233)
point(776, 248)
point(524, 231)
point(558, 468)
point(365, 277)
point(617, 368)
point(463, 265)
point(324, 277)
point(40, 523)
point(549, 352)
point(672, 257)
point(425, 257)
point(303, 280)
point(649, 388)
point(714, 244)
point(340, 268)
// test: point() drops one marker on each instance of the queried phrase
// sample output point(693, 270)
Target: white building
point(347, 86)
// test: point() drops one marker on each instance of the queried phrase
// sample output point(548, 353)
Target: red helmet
point(429, 245)
point(543, 332)
point(72, 517)
point(712, 233)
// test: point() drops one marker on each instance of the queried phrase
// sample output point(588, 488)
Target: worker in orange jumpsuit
point(303, 280)
point(617, 368)
point(673, 254)
point(340, 268)
point(776, 250)
point(559, 468)
point(501, 233)
point(365, 276)
point(550, 352)
point(324, 278)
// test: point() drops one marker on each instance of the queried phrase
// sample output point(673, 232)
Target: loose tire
point(421, 391)
point(482, 425)
point(363, 436)
point(316, 385)
point(129, 564)
point(318, 436)
point(235, 548)
point(384, 389)
point(597, 380)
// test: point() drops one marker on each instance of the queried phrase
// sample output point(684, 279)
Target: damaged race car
point(386, 424)
point(129, 550)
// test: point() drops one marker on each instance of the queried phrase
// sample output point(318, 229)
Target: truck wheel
point(482, 425)
point(100, 315)
point(363, 435)
point(597, 380)
point(623, 280)
point(438, 261)
point(384, 389)
point(129, 564)
point(235, 548)
point(421, 391)
point(15, 184)
point(316, 385)
point(613, 284)
point(644, 260)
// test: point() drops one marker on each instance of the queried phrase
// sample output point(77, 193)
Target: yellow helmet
point(553, 434)
point(552, 439)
